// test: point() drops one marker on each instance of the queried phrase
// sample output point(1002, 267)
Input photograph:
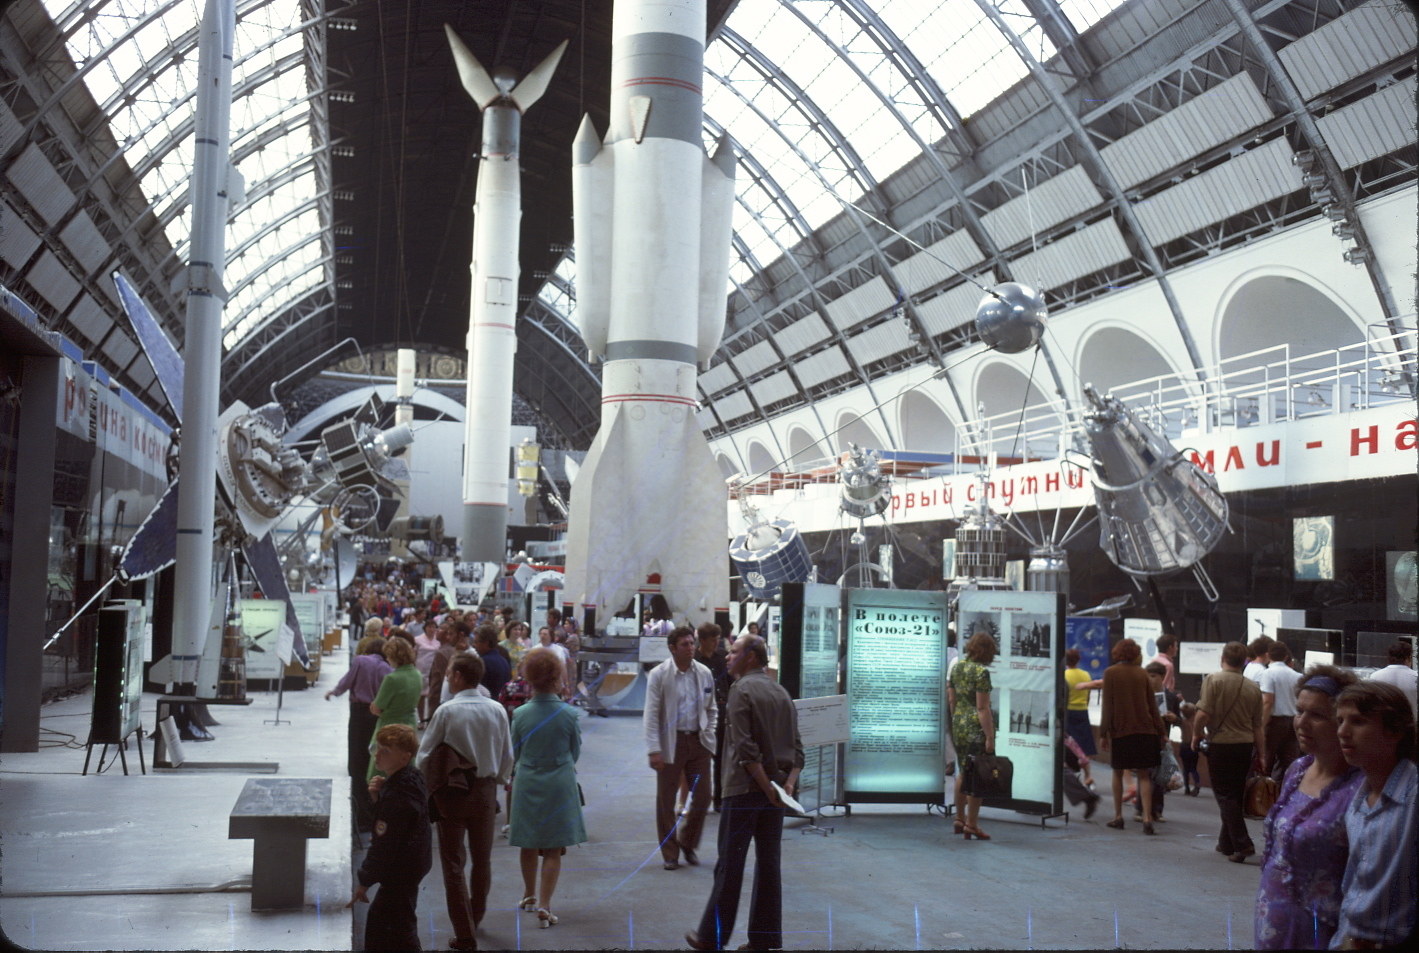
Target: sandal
point(546, 918)
point(958, 827)
point(976, 832)
point(1116, 824)
point(527, 903)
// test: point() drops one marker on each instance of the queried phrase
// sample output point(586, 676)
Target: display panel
point(310, 613)
point(1090, 635)
point(261, 623)
point(809, 653)
point(1027, 688)
point(896, 688)
point(1313, 547)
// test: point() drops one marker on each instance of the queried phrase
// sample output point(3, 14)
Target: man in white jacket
point(680, 722)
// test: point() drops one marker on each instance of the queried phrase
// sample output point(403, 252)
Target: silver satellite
point(1159, 513)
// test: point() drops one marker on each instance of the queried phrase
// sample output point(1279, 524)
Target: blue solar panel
point(765, 570)
point(167, 363)
point(153, 546)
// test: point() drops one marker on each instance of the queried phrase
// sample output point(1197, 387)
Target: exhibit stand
point(118, 683)
point(1028, 691)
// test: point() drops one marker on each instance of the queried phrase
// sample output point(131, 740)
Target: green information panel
point(261, 623)
point(896, 689)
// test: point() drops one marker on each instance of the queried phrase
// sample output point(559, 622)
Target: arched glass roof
point(967, 125)
point(139, 62)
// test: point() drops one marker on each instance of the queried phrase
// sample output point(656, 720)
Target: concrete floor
point(886, 878)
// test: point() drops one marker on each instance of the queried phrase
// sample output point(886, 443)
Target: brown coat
point(1129, 706)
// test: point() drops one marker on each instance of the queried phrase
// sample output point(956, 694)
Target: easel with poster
point(1028, 691)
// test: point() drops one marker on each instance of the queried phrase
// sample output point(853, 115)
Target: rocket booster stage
point(492, 337)
point(653, 218)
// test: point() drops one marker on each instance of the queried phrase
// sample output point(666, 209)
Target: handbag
point(1261, 793)
point(1167, 768)
point(989, 776)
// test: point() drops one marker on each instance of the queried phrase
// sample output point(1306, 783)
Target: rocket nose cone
point(587, 143)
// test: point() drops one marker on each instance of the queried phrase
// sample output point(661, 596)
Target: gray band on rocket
point(502, 127)
point(669, 68)
point(484, 533)
point(651, 350)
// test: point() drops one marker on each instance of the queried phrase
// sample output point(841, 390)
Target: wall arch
point(924, 425)
point(1002, 387)
point(726, 466)
point(1112, 357)
point(761, 459)
point(852, 428)
point(1282, 306)
point(803, 449)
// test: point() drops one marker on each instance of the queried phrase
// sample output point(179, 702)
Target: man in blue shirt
point(496, 670)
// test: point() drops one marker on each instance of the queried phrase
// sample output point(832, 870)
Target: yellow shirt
point(1078, 698)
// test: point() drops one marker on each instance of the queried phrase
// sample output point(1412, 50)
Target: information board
point(118, 672)
point(262, 621)
point(310, 613)
point(1027, 688)
point(809, 639)
point(896, 688)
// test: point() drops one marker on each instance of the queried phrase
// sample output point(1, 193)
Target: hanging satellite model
point(769, 553)
point(259, 479)
point(1159, 513)
point(866, 492)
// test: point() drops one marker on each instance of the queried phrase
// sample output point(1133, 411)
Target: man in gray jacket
point(763, 755)
point(680, 719)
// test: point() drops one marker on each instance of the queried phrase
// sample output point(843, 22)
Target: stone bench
point(280, 814)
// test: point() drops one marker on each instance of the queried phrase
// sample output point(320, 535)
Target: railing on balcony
point(1267, 386)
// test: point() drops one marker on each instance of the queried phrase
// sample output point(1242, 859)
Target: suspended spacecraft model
point(769, 553)
point(1159, 513)
point(653, 218)
point(492, 336)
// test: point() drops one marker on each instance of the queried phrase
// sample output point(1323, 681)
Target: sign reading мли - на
point(896, 651)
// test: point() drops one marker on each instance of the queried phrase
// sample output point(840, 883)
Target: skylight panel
point(966, 54)
point(1085, 13)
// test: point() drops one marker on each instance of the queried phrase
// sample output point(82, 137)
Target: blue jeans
point(744, 818)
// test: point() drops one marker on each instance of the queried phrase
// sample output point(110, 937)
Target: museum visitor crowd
point(449, 706)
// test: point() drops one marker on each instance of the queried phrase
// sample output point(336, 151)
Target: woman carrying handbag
point(972, 728)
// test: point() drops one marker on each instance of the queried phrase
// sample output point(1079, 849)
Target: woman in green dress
point(545, 815)
point(398, 695)
point(972, 728)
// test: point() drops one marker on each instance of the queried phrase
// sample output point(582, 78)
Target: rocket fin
point(475, 79)
point(593, 192)
point(679, 525)
point(716, 234)
point(534, 84)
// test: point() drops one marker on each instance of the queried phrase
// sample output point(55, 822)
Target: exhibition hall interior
point(959, 350)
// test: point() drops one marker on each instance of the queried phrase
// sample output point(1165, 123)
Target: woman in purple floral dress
point(1298, 901)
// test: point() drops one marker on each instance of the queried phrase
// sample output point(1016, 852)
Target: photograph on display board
point(1030, 636)
point(1030, 712)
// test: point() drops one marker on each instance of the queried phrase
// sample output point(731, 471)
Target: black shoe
point(691, 857)
point(692, 939)
point(1090, 807)
point(1240, 857)
point(672, 865)
point(462, 943)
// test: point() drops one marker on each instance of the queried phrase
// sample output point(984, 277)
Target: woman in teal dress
point(398, 695)
point(972, 728)
point(545, 815)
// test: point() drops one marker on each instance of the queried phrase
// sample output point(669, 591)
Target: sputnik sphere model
point(1011, 317)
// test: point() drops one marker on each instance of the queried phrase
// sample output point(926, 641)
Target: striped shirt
point(1378, 891)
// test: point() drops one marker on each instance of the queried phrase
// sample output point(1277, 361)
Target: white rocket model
point(212, 174)
point(492, 337)
point(653, 220)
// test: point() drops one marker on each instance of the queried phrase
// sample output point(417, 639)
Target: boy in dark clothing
point(401, 853)
point(1172, 716)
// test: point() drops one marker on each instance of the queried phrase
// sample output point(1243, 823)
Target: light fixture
point(1357, 256)
point(1343, 231)
point(1304, 159)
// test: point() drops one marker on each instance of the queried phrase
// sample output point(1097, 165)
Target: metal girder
point(1089, 153)
point(802, 103)
point(1325, 158)
point(812, 289)
point(255, 349)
